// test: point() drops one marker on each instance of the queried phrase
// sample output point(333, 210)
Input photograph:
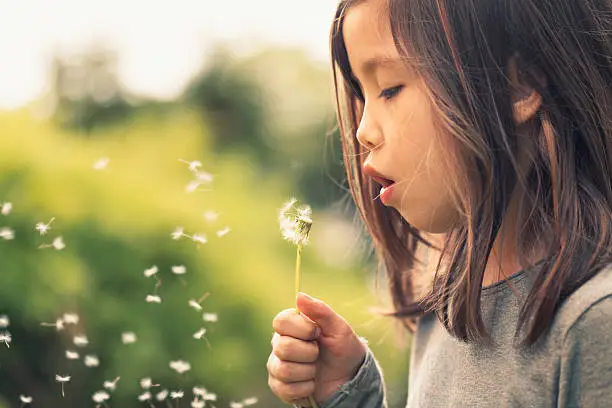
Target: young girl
point(478, 133)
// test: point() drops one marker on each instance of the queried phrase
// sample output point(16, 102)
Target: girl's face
point(397, 126)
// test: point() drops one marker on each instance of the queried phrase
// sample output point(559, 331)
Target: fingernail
point(317, 332)
point(306, 296)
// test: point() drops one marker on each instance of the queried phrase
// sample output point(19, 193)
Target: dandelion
point(178, 233)
point(43, 228)
point(128, 337)
point(177, 394)
point(179, 270)
point(4, 321)
point(295, 224)
point(72, 355)
point(92, 361)
point(6, 208)
point(100, 397)
point(80, 340)
point(71, 318)
point(111, 385)
point(151, 271)
point(57, 244)
point(6, 338)
point(62, 380)
point(223, 232)
point(7, 234)
point(250, 401)
point(25, 400)
point(145, 396)
point(180, 366)
point(162, 395)
point(59, 324)
point(101, 163)
point(210, 317)
point(211, 216)
point(153, 299)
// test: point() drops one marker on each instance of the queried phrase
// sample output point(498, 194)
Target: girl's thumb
point(321, 313)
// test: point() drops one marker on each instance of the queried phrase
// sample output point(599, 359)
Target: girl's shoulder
point(590, 306)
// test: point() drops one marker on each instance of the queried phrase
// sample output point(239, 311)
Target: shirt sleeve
point(586, 359)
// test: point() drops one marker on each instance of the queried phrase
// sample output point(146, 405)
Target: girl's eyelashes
point(389, 93)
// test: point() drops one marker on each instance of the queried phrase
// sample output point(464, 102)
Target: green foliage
point(116, 223)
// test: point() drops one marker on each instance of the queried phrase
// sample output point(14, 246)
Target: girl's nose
point(368, 134)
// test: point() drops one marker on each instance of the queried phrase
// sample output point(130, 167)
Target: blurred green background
point(262, 125)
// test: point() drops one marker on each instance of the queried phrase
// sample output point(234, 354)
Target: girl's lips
point(386, 193)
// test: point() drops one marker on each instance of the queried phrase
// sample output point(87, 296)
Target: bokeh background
point(102, 104)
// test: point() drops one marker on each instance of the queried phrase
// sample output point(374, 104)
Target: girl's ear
point(526, 101)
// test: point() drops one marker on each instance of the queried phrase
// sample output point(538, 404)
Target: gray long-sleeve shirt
point(571, 368)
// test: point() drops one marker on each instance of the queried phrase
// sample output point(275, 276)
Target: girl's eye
point(389, 93)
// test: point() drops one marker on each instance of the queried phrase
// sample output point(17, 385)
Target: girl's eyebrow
point(372, 64)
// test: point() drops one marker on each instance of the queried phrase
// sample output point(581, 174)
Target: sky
point(160, 43)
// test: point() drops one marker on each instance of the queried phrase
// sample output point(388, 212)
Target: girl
point(478, 131)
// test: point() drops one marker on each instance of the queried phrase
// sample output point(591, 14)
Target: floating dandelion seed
point(250, 401)
point(236, 404)
point(193, 165)
point(71, 318)
point(295, 224)
point(223, 232)
point(59, 324)
point(80, 340)
point(128, 337)
point(196, 403)
point(153, 299)
point(6, 338)
point(199, 238)
point(210, 397)
point(111, 385)
point(6, 208)
point(196, 304)
point(211, 216)
point(179, 270)
point(62, 380)
point(180, 366)
point(72, 355)
point(177, 394)
point(145, 396)
point(204, 177)
point(162, 395)
point(151, 271)
point(192, 186)
point(25, 400)
point(92, 361)
point(7, 234)
point(43, 228)
point(201, 391)
point(4, 321)
point(199, 334)
point(101, 163)
point(178, 233)
point(100, 397)
point(57, 244)
point(210, 317)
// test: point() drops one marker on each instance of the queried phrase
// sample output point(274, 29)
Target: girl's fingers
point(290, 323)
point(293, 350)
point(291, 392)
point(289, 372)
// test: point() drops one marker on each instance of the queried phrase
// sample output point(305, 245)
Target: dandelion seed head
point(101, 163)
point(145, 396)
point(162, 395)
point(25, 400)
point(100, 397)
point(180, 366)
point(6, 208)
point(295, 223)
point(153, 299)
point(72, 355)
point(62, 379)
point(151, 271)
point(210, 317)
point(177, 394)
point(4, 321)
point(193, 303)
point(199, 334)
point(223, 232)
point(70, 318)
point(128, 337)
point(92, 361)
point(179, 269)
point(178, 233)
point(80, 340)
point(7, 234)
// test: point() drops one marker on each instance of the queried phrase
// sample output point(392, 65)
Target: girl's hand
point(313, 353)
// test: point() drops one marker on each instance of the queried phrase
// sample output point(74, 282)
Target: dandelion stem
point(298, 261)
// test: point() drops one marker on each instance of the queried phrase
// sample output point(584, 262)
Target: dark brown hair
point(462, 53)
